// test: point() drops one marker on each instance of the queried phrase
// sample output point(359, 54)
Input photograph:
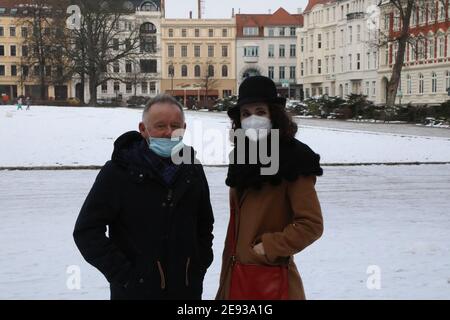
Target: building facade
point(338, 52)
point(425, 77)
point(140, 74)
point(199, 59)
point(17, 78)
point(266, 44)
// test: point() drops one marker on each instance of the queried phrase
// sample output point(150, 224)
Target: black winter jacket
point(159, 242)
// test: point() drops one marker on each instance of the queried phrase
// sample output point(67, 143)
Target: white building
point(266, 45)
point(337, 55)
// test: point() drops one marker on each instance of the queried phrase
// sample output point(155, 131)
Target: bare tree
point(105, 37)
point(397, 35)
point(208, 81)
point(43, 22)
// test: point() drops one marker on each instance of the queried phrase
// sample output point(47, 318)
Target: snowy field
point(393, 217)
point(49, 136)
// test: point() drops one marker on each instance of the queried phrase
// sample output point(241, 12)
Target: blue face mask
point(165, 147)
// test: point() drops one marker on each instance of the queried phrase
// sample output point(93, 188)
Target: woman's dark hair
point(280, 120)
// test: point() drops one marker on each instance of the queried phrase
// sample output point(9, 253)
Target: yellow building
point(16, 78)
point(198, 59)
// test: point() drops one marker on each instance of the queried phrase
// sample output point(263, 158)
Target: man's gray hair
point(162, 98)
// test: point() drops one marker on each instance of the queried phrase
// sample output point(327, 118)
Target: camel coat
point(286, 218)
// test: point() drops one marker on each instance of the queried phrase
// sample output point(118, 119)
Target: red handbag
point(256, 282)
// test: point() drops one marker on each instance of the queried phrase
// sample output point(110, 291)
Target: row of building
point(329, 48)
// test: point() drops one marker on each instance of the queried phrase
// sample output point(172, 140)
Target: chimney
point(270, 11)
point(299, 11)
point(232, 13)
point(190, 14)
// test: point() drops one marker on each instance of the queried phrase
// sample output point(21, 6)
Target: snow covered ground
point(392, 217)
point(49, 136)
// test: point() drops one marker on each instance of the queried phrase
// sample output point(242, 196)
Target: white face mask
point(256, 127)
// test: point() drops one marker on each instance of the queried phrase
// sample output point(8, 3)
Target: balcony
point(355, 15)
point(251, 59)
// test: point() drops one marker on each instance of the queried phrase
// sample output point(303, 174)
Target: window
point(421, 50)
point(302, 41)
point(148, 66)
point(350, 34)
point(368, 60)
point(319, 41)
point(333, 42)
point(271, 32)
point(12, 31)
point(271, 51)
point(292, 72)
point(282, 53)
point(105, 87)
point(197, 71)
point(433, 82)
point(441, 46)
point(319, 66)
point(342, 37)
point(414, 18)
point(184, 71)
point(302, 69)
point(271, 72)
point(2, 70)
point(292, 51)
point(128, 67)
point(116, 87)
point(251, 51)
point(183, 33)
point(116, 67)
point(2, 50)
point(152, 87)
point(48, 71)
point(367, 88)
point(226, 93)
point(374, 88)
point(2, 33)
point(282, 73)
point(441, 11)
point(25, 71)
point(211, 70)
point(421, 84)
point(350, 62)
point(184, 51)
point(171, 50)
point(24, 32)
point(327, 40)
point(251, 31)
point(210, 51)
point(293, 30)
point(311, 43)
point(116, 44)
point(358, 61)
point(13, 51)
point(333, 60)
point(282, 34)
point(358, 33)
point(224, 33)
point(197, 33)
point(224, 71)
point(431, 48)
point(421, 16)
point(144, 87)
point(342, 64)
point(197, 51)
point(211, 33)
point(408, 84)
point(128, 87)
point(170, 33)
point(224, 51)
point(13, 70)
point(327, 69)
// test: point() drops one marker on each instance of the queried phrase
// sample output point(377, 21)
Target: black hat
point(256, 89)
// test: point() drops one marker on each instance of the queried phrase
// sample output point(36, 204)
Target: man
point(158, 214)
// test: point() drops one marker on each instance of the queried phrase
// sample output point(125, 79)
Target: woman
point(273, 216)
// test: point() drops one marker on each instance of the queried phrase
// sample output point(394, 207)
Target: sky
point(222, 9)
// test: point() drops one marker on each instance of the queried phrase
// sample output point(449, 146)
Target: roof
point(313, 3)
point(279, 18)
